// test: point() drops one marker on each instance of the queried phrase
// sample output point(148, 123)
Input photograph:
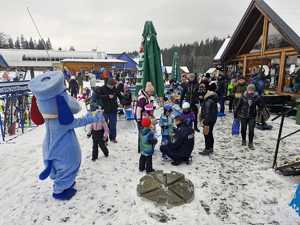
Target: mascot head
point(50, 100)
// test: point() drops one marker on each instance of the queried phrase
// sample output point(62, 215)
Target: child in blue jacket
point(166, 122)
point(147, 143)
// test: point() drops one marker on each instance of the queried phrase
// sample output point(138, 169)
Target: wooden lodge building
point(268, 38)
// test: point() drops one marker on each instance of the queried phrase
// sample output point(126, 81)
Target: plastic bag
point(235, 130)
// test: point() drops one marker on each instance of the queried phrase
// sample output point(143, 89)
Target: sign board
point(13, 87)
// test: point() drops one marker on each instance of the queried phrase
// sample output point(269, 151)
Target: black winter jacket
point(108, 105)
point(184, 141)
point(73, 86)
point(247, 106)
point(209, 108)
point(190, 93)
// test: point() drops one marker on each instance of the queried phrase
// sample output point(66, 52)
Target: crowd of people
point(197, 101)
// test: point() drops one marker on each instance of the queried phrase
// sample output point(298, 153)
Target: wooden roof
point(252, 21)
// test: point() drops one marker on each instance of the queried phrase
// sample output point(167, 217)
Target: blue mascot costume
point(61, 151)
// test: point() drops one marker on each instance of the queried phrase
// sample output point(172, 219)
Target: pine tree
point(31, 44)
point(48, 44)
point(18, 44)
point(11, 43)
point(43, 43)
point(3, 40)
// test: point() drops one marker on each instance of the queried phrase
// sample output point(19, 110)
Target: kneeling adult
point(181, 148)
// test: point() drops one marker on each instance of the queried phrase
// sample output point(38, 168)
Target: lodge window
point(275, 39)
point(258, 45)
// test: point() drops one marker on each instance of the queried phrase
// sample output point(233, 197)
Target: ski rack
point(10, 92)
point(280, 138)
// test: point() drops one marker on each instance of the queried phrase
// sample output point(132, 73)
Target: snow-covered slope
point(234, 186)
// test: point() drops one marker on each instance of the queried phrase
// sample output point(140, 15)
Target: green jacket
point(230, 87)
point(147, 142)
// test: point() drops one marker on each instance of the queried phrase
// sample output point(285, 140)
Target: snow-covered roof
point(222, 49)
point(137, 60)
point(184, 69)
point(94, 60)
point(289, 12)
point(40, 58)
point(211, 70)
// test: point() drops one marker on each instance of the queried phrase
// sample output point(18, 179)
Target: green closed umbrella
point(175, 68)
point(152, 60)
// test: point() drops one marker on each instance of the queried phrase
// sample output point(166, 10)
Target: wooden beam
point(265, 35)
point(249, 34)
point(269, 53)
point(281, 72)
point(245, 67)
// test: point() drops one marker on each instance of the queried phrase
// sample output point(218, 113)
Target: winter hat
point(146, 122)
point(50, 99)
point(251, 87)
point(186, 105)
point(149, 87)
point(168, 107)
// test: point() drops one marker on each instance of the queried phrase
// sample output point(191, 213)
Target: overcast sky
point(116, 25)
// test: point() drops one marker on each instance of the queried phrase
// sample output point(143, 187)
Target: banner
point(13, 87)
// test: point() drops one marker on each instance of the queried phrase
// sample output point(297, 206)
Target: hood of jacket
point(211, 94)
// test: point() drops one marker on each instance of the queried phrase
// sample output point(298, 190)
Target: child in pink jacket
point(99, 132)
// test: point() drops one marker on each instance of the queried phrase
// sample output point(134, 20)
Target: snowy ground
point(234, 186)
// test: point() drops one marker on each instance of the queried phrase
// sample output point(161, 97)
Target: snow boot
point(251, 146)
point(66, 194)
point(205, 152)
point(244, 143)
point(175, 163)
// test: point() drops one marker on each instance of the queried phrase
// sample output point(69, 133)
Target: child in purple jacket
point(187, 114)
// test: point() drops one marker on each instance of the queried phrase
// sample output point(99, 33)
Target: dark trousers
point(222, 103)
point(111, 120)
point(250, 122)
point(195, 110)
point(140, 128)
point(231, 99)
point(209, 138)
point(98, 141)
point(74, 94)
point(166, 150)
point(145, 163)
